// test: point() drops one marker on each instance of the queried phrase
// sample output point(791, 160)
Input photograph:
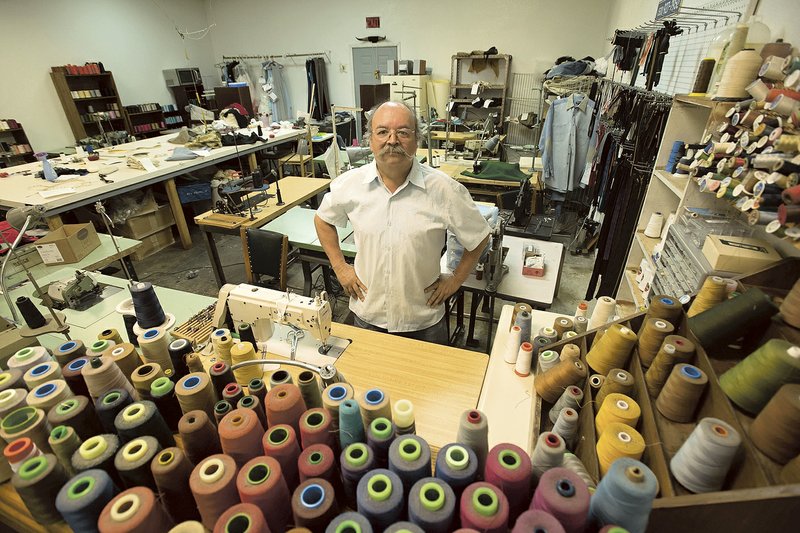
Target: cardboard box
point(153, 243)
point(140, 226)
point(532, 261)
point(68, 244)
point(738, 254)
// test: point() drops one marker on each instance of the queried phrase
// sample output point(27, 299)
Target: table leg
point(491, 321)
point(473, 311)
point(213, 254)
point(177, 212)
point(129, 265)
point(326, 279)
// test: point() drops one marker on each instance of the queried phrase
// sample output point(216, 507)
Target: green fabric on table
point(498, 170)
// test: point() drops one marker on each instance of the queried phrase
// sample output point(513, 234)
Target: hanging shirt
point(565, 141)
point(400, 237)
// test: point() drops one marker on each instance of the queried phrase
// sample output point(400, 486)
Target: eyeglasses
point(402, 133)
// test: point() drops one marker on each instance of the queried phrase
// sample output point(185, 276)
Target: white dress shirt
point(400, 237)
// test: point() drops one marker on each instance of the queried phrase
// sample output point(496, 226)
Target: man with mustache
point(400, 211)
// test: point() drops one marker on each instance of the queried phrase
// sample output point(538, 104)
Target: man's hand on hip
point(442, 289)
point(349, 281)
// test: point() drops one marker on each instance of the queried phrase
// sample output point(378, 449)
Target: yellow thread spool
point(222, 342)
point(617, 408)
point(239, 353)
point(617, 380)
point(613, 350)
point(665, 307)
point(110, 335)
point(552, 384)
point(144, 376)
point(713, 292)
point(618, 440)
point(653, 333)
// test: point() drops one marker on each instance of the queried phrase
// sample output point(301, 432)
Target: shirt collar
point(414, 177)
point(583, 102)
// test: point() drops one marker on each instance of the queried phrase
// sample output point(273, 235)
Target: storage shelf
point(636, 294)
point(144, 112)
point(647, 244)
point(676, 185)
point(695, 100)
point(87, 75)
point(90, 98)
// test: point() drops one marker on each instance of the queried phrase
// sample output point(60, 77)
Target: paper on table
point(147, 164)
point(202, 152)
point(57, 192)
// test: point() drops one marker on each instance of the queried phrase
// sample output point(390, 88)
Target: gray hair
point(371, 113)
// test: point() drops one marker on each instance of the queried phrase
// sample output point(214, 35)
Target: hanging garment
point(280, 104)
point(318, 83)
point(565, 140)
point(626, 49)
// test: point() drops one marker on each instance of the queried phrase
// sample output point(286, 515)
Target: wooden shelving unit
point(88, 99)
point(15, 148)
point(492, 86)
point(146, 120)
point(190, 94)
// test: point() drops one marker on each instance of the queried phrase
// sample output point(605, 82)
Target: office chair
point(267, 254)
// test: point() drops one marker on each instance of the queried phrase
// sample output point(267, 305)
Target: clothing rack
point(260, 57)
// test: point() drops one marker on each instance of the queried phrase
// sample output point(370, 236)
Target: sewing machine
point(280, 321)
point(238, 196)
point(74, 292)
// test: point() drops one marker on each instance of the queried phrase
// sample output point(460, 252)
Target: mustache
point(390, 149)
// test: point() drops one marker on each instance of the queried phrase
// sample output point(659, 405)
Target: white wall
point(534, 32)
point(133, 39)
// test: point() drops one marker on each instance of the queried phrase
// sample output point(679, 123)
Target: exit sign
point(373, 22)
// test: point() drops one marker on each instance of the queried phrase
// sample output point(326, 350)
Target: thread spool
point(740, 70)
point(484, 508)
point(320, 462)
point(280, 442)
point(523, 320)
point(222, 342)
point(316, 427)
point(613, 350)
point(473, 432)
point(140, 419)
point(260, 482)
point(194, 363)
point(98, 452)
point(240, 435)
point(279, 377)
point(195, 392)
point(653, 228)
point(18, 451)
point(570, 351)
point(518, 308)
point(221, 374)
point(403, 417)
point(133, 460)
point(47, 371)
point(102, 375)
point(48, 394)
point(457, 466)
point(712, 292)
point(355, 461)
point(548, 359)
point(567, 372)
point(548, 453)
point(64, 441)
point(625, 496)
point(77, 412)
point(784, 105)
point(603, 309)
point(349, 522)
point(703, 77)
point(380, 498)
point(9, 380)
point(252, 403)
point(790, 473)
point(97, 348)
point(135, 510)
point(146, 306)
point(618, 441)
point(130, 324)
point(309, 389)
point(730, 318)
point(222, 408)
point(758, 90)
point(596, 382)
point(239, 353)
point(561, 325)
point(432, 505)
point(380, 435)
point(82, 498)
point(563, 494)
point(580, 323)
point(522, 367)
point(314, 504)
point(753, 381)
point(549, 333)
point(410, 459)
point(28, 422)
point(681, 393)
point(508, 467)
point(573, 463)
point(37, 482)
point(702, 462)
point(790, 307)
point(27, 358)
point(242, 517)
point(73, 375)
point(189, 526)
point(570, 398)
point(154, 344)
point(537, 521)
point(566, 425)
point(30, 313)
point(512, 345)
point(178, 350)
point(198, 436)
point(661, 368)
point(539, 344)
point(162, 391)
point(69, 351)
point(351, 427)
point(171, 470)
point(285, 405)
point(232, 393)
point(11, 400)
point(788, 214)
point(333, 395)
point(617, 408)
point(144, 376)
point(213, 484)
point(125, 356)
point(652, 336)
point(109, 405)
point(257, 388)
point(374, 403)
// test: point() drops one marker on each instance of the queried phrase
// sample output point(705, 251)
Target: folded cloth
point(181, 154)
point(207, 140)
point(498, 170)
point(182, 137)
